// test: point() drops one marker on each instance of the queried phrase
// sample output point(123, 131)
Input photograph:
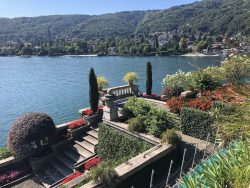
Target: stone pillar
point(110, 111)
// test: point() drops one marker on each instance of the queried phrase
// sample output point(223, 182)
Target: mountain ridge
point(211, 16)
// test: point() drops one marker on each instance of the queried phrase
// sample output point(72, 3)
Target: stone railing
point(123, 91)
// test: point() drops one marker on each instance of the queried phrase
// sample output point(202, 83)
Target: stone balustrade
point(123, 91)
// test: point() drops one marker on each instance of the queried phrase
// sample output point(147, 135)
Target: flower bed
point(77, 123)
point(13, 174)
point(176, 103)
point(92, 163)
point(71, 177)
point(89, 112)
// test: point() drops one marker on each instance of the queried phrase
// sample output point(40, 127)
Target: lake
point(58, 86)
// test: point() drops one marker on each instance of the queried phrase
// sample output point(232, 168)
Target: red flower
point(92, 162)
point(76, 123)
point(152, 96)
point(88, 112)
point(204, 104)
point(175, 104)
point(71, 177)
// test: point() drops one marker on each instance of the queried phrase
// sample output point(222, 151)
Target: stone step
point(62, 168)
point(44, 178)
point(95, 129)
point(83, 151)
point(85, 144)
point(66, 160)
point(72, 153)
point(52, 173)
point(93, 133)
point(91, 139)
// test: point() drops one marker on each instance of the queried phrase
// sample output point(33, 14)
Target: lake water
point(59, 85)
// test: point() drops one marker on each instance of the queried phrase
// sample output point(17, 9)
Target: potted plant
point(130, 77)
point(102, 82)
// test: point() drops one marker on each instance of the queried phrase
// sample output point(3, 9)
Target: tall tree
point(149, 79)
point(93, 91)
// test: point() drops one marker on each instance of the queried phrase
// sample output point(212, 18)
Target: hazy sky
point(17, 8)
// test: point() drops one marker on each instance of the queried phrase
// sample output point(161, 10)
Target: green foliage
point(149, 80)
point(203, 80)
point(197, 123)
point(158, 121)
point(116, 145)
point(135, 107)
point(178, 80)
point(212, 16)
point(227, 168)
point(105, 173)
point(223, 108)
point(4, 153)
point(171, 137)
point(102, 82)
point(236, 69)
point(137, 124)
point(93, 91)
point(130, 77)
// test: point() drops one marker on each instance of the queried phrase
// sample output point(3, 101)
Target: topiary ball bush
point(30, 133)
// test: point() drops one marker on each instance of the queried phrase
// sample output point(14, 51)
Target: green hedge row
point(116, 145)
point(197, 123)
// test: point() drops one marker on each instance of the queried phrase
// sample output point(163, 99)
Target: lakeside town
point(154, 44)
point(112, 121)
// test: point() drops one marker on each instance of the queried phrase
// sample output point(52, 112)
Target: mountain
point(214, 16)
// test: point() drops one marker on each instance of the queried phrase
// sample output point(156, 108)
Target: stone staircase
point(63, 163)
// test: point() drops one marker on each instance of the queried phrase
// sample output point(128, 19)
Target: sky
point(29, 8)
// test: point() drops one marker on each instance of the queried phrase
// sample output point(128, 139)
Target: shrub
point(30, 133)
point(149, 79)
point(175, 104)
point(115, 145)
point(92, 163)
point(77, 123)
point(105, 173)
point(71, 177)
point(171, 137)
point(203, 80)
point(102, 82)
point(159, 120)
point(135, 107)
point(137, 124)
point(224, 108)
point(236, 69)
point(130, 77)
point(93, 91)
point(4, 153)
point(177, 80)
point(197, 123)
point(204, 104)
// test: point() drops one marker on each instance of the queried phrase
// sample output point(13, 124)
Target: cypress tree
point(93, 91)
point(149, 79)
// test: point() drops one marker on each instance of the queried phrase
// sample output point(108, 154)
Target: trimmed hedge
point(197, 123)
point(116, 145)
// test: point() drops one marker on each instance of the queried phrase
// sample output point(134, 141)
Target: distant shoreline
point(96, 55)
point(199, 55)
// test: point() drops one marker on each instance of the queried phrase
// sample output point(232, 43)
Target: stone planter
point(96, 118)
point(79, 131)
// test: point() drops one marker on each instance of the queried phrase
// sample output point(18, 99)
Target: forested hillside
point(214, 16)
